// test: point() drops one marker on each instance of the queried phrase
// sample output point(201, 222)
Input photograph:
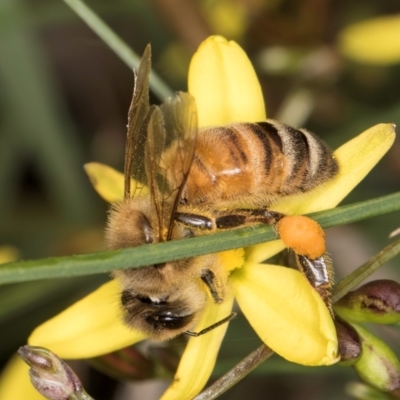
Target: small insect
point(191, 182)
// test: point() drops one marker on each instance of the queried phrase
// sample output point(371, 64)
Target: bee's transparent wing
point(138, 118)
point(171, 141)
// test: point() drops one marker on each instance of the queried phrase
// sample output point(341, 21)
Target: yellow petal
point(224, 84)
point(288, 315)
point(199, 357)
point(109, 183)
point(89, 328)
point(263, 251)
point(356, 158)
point(374, 41)
point(15, 382)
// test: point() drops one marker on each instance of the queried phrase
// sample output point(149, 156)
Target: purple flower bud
point(349, 342)
point(377, 301)
point(51, 376)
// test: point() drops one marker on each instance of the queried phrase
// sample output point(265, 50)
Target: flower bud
point(378, 365)
point(51, 376)
point(349, 343)
point(377, 301)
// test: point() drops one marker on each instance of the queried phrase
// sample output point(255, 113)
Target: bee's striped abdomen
point(308, 160)
point(255, 164)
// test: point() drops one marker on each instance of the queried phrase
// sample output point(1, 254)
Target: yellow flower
point(375, 41)
point(279, 303)
point(14, 380)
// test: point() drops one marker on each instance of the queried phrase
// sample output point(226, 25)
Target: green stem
point(94, 263)
point(365, 270)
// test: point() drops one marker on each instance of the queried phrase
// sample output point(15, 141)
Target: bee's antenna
point(211, 327)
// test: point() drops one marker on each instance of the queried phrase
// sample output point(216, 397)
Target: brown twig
point(238, 372)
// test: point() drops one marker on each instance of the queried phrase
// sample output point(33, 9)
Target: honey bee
point(201, 181)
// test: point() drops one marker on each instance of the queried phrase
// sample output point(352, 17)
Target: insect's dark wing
point(171, 141)
point(138, 117)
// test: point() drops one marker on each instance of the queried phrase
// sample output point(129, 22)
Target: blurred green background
point(64, 97)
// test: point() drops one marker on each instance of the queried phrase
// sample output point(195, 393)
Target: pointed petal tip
point(224, 84)
point(288, 315)
point(107, 182)
point(356, 158)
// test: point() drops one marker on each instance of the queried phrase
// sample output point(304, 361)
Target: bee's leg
point(319, 273)
point(195, 221)
point(215, 287)
point(244, 216)
point(239, 218)
point(317, 270)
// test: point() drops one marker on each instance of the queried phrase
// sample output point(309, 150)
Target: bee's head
point(128, 224)
point(154, 304)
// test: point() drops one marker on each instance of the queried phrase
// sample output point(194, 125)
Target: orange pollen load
point(303, 235)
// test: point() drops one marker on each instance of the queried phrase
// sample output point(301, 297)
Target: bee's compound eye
point(156, 315)
point(168, 320)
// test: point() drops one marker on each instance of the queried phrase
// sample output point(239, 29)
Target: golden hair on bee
point(255, 164)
